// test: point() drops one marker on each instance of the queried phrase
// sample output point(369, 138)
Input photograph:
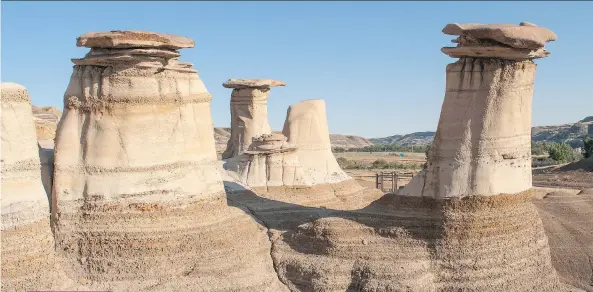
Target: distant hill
point(570, 133)
point(222, 135)
point(413, 139)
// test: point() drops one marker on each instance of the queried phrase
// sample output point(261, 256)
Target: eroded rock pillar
point(28, 261)
point(140, 200)
point(483, 141)
point(479, 166)
point(306, 129)
point(249, 112)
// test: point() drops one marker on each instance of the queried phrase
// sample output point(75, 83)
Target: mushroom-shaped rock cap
point(133, 39)
point(252, 83)
point(523, 36)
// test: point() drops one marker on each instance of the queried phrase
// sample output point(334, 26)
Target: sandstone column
point(28, 261)
point(306, 129)
point(479, 167)
point(249, 112)
point(483, 142)
point(140, 200)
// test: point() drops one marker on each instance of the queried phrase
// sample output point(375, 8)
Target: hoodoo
point(479, 165)
point(306, 128)
point(28, 260)
point(249, 112)
point(483, 142)
point(140, 200)
point(467, 222)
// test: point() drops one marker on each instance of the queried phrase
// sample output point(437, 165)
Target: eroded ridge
point(28, 259)
point(140, 203)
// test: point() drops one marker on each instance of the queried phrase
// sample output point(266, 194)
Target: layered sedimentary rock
point(269, 162)
point(28, 260)
point(306, 129)
point(467, 223)
point(139, 198)
point(249, 112)
point(483, 142)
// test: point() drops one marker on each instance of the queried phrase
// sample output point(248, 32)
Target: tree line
point(553, 152)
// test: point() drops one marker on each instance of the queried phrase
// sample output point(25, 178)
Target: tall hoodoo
point(306, 129)
point(139, 196)
point(479, 165)
point(27, 242)
point(483, 141)
point(475, 228)
point(249, 112)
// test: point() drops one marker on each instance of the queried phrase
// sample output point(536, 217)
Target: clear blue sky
point(378, 65)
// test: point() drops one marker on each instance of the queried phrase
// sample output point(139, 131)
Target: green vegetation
point(588, 147)
point(383, 148)
point(540, 148)
point(377, 164)
point(562, 152)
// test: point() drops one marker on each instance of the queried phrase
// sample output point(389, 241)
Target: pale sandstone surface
point(139, 199)
point(249, 112)
point(483, 141)
point(306, 129)
point(28, 258)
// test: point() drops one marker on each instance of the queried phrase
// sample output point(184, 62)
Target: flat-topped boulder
point(506, 41)
point(252, 83)
point(133, 39)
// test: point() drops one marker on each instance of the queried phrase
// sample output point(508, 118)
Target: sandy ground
point(577, 175)
point(570, 176)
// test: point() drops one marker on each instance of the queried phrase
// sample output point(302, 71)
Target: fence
point(388, 182)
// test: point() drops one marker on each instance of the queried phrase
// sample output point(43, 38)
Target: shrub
point(561, 152)
point(339, 150)
point(380, 164)
point(588, 147)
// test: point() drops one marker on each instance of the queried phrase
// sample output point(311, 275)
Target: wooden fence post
point(376, 180)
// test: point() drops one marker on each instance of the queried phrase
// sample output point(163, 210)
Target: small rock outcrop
point(28, 258)
point(249, 112)
point(269, 162)
point(140, 200)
